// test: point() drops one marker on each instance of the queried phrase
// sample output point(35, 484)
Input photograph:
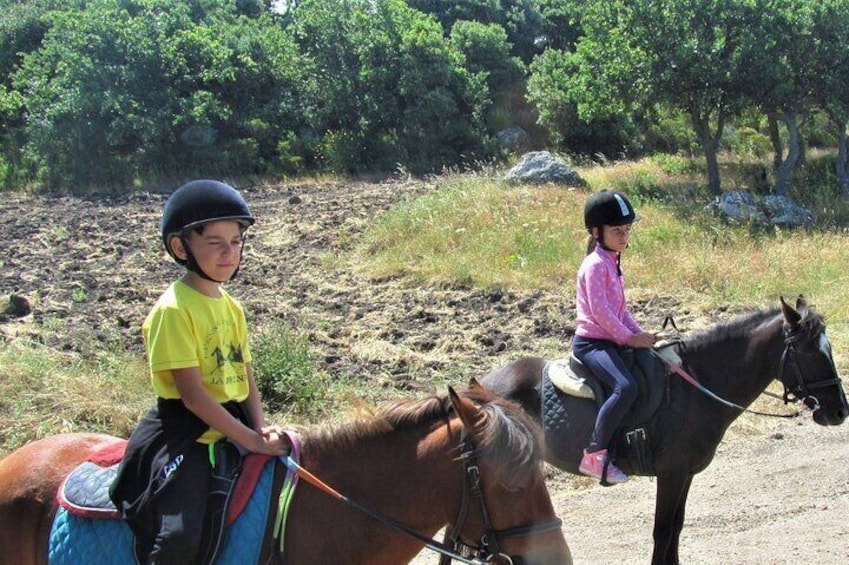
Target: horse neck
point(739, 365)
point(410, 475)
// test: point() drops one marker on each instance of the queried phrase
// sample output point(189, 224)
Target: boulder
point(771, 210)
point(539, 167)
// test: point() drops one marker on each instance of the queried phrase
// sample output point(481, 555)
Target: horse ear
point(801, 304)
point(474, 384)
point(791, 316)
point(465, 408)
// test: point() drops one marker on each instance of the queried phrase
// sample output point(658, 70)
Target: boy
point(196, 340)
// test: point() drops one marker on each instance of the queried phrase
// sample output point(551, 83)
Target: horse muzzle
point(831, 418)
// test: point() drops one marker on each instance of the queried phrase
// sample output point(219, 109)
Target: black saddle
point(567, 417)
point(650, 374)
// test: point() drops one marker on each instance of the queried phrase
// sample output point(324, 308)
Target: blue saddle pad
point(75, 540)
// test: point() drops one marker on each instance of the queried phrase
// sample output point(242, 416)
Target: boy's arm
point(190, 385)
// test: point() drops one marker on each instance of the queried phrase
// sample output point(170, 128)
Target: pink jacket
point(602, 310)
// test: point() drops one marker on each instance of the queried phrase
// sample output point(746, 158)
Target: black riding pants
point(181, 510)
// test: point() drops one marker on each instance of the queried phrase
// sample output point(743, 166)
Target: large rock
point(771, 210)
point(514, 138)
point(539, 167)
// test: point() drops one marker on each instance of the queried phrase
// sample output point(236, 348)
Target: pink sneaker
point(592, 465)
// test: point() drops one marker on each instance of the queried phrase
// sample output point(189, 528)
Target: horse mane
point(810, 324)
point(506, 436)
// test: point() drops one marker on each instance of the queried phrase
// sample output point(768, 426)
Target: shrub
point(284, 370)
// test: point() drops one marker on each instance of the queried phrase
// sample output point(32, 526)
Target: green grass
point(285, 373)
point(483, 232)
point(480, 232)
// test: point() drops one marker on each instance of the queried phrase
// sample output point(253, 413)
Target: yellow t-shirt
point(187, 329)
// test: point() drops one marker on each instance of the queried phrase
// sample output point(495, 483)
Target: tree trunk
point(710, 145)
point(843, 161)
point(794, 140)
point(775, 139)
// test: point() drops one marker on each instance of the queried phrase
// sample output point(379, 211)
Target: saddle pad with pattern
point(556, 425)
point(85, 491)
point(77, 540)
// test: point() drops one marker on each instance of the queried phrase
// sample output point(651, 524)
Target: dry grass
point(46, 391)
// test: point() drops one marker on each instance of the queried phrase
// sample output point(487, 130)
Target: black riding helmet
point(608, 207)
point(196, 203)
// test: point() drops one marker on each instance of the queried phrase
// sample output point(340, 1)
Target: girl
point(604, 324)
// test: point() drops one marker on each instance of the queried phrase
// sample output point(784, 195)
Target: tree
point(125, 89)
point(388, 89)
point(781, 78)
point(561, 26)
point(691, 55)
point(829, 70)
point(521, 19)
point(549, 93)
point(487, 54)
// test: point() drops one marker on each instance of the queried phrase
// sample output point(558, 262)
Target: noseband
point(487, 550)
point(799, 389)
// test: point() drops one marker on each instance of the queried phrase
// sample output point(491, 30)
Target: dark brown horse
point(403, 463)
point(735, 361)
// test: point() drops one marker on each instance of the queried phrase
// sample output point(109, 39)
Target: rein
point(679, 370)
point(488, 549)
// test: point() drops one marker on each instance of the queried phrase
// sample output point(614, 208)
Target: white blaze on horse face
point(824, 345)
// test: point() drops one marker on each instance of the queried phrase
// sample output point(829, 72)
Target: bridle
point(799, 389)
point(487, 550)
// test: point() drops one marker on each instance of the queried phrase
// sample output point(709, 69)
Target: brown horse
point(412, 462)
point(734, 363)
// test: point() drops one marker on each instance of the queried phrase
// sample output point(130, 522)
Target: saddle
point(570, 378)
point(88, 528)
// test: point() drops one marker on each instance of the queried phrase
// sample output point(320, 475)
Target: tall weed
point(284, 370)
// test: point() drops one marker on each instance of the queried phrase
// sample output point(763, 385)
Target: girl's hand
point(642, 340)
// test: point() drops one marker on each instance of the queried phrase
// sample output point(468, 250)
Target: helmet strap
point(600, 242)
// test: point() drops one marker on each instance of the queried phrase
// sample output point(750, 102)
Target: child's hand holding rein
point(272, 441)
point(643, 340)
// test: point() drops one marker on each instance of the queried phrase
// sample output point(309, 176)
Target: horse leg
point(672, 490)
point(25, 524)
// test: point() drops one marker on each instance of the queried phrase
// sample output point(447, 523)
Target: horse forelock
point(510, 443)
point(811, 324)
